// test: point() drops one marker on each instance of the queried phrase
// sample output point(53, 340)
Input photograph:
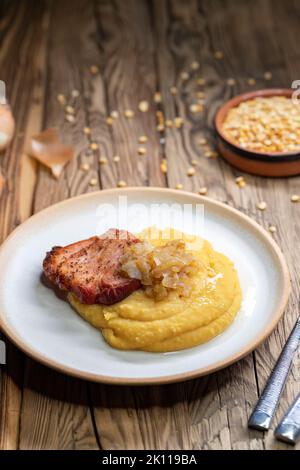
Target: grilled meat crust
point(90, 268)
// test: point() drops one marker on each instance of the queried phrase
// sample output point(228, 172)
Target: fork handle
point(264, 410)
point(288, 430)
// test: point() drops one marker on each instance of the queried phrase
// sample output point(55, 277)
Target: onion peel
point(47, 148)
point(2, 182)
point(7, 126)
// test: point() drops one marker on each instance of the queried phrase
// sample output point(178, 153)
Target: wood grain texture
point(62, 401)
point(139, 47)
point(19, 45)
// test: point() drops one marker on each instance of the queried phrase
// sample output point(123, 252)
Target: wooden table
point(140, 47)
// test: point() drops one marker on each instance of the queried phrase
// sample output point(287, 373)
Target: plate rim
point(180, 377)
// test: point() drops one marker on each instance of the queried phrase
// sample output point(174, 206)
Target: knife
point(288, 430)
point(264, 410)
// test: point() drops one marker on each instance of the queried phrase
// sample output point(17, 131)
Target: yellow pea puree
point(141, 323)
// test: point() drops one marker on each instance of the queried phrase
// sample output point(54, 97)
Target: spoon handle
point(288, 430)
point(264, 410)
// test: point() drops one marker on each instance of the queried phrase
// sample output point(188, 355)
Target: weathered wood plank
point(20, 47)
point(127, 66)
point(55, 408)
point(55, 411)
point(139, 418)
point(285, 214)
point(182, 40)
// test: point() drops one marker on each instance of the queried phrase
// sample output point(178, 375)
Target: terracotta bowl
point(258, 163)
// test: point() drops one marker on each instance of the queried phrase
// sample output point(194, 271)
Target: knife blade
point(265, 408)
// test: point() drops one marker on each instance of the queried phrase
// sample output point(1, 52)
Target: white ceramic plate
point(47, 329)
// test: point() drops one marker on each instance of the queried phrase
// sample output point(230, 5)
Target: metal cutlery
point(288, 430)
point(264, 410)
